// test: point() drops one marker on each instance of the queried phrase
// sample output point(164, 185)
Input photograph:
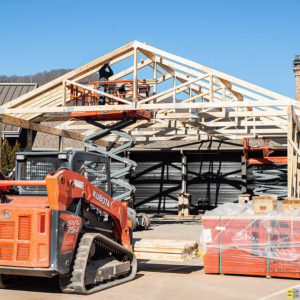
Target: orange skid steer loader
point(62, 234)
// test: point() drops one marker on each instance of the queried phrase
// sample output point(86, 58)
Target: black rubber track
point(74, 284)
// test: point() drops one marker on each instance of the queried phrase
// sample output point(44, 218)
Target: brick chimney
point(296, 68)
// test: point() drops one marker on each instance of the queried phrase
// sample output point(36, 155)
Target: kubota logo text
point(6, 214)
point(101, 199)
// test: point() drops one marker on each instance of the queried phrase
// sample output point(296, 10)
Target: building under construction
point(198, 131)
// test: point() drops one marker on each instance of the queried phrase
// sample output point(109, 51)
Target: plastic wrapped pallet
point(235, 241)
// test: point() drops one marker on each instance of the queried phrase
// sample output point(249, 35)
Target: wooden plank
point(227, 114)
point(203, 68)
point(47, 129)
point(73, 75)
point(56, 93)
point(235, 90)
point(172, 89)
point(135, 82)
point(158, 256)
point(142, 106)
point(164, 243)
point(64, 103)
point(97, 92)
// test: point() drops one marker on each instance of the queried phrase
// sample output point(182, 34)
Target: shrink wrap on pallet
point(235, 241)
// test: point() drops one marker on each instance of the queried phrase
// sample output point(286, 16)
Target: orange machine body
point(27, 225)
point(22, 243)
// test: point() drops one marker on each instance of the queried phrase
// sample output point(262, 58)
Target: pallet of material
point(170, 250)
point(252, 245)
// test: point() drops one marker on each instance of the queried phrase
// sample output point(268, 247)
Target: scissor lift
point(80, 97)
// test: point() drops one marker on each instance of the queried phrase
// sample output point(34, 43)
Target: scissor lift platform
point(81, 97)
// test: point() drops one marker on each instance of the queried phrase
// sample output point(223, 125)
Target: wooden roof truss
point(197, 103)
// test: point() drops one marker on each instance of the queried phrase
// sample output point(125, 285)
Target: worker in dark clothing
point(121, 90)
point(103, 76)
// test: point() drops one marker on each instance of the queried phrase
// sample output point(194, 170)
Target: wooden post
point(290, 150)
point(1, 123)
point(154, 77)
point(174, 92)
point(61, 143)
point(64, 94)
point(135, 82)
point(190, 95)
point(29, 140)
point(224, 98)
point(211, 99)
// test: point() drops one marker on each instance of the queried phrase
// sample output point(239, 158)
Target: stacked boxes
point(290, 204)
point(244, 198)
point(264, 204)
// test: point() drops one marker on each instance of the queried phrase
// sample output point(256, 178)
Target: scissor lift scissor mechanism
point(79, 96)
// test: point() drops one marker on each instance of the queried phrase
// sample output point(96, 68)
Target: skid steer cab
point(96, 168)
point(51, 229)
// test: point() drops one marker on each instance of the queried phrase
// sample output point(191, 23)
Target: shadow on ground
point(164, 268)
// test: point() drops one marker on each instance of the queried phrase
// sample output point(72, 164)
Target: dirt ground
point(168, 280)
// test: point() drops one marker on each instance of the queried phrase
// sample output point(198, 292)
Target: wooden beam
point(205, 69)
point(227, 114)
point(235, 90)
point(172, 89)
point(73, 75)
point(294, 146)
point(56, 93)
point(135, 82)
point(64, 103)
point(142, 106)
point(47, 129)
point(97, 92)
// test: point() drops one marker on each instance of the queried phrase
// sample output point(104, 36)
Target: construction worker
point(103, 76)
point(121, 90)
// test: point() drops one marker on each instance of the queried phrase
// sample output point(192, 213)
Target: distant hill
point(42, 77)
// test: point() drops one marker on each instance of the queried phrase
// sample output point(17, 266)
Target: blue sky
point(252, 40)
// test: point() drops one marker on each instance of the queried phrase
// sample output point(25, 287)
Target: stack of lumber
point(171, 250)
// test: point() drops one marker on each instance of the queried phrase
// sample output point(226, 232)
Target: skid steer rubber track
point(75, 283)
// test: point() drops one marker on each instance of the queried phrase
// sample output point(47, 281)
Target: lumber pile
point(171, 250)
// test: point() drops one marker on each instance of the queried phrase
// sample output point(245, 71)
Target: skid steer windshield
point(94, 167)
point(95, 172)
point(36, 168)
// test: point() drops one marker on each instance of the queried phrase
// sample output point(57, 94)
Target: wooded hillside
point(42, 77)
